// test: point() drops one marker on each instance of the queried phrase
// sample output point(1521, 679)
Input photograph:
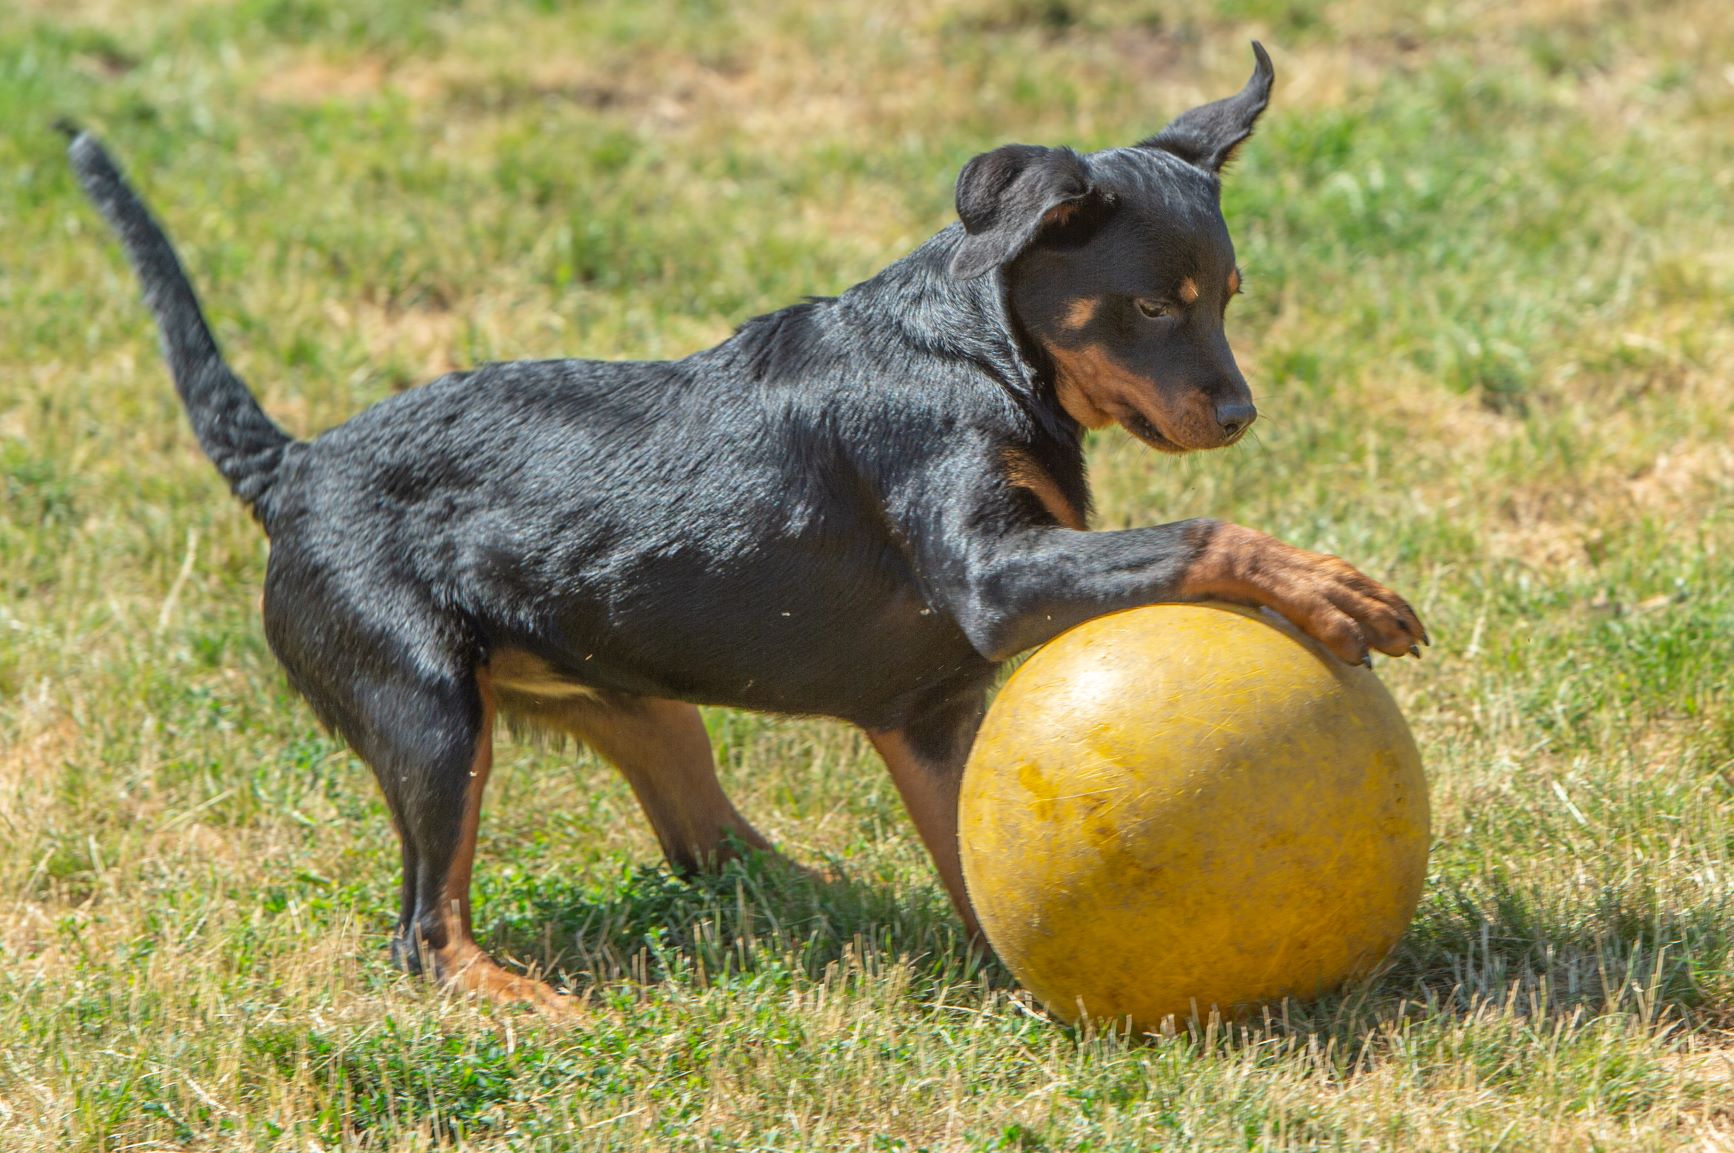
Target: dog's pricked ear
point(1007, 196)
point(1208, 135)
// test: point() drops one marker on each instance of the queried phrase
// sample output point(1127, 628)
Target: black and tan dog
point(856, 507)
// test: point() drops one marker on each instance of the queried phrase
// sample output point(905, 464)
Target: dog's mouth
point(1145, 430)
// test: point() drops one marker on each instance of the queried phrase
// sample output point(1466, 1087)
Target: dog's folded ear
point(1207, 136)
point(1006, 197)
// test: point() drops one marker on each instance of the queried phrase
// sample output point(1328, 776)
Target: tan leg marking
point(1022, 471)
point(516, 671)
point(929, 792)
point(663, 751)
point(460, 964)
point(1324, 596)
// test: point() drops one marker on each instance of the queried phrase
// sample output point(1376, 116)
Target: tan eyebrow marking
point(1080, 312)
point(1188, 290)
point(1233, 281)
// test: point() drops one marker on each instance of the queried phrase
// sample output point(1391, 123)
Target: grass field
point(1490, 256)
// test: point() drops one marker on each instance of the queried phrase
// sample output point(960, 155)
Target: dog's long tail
point(244, 443)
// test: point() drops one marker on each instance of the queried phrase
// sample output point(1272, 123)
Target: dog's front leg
point(1014, 590)
point(926, 759)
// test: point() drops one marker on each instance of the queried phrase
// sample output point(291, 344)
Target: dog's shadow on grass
point(1485, 958)
point(649, 927)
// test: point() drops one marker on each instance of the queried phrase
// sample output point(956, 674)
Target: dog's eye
point(1152, 308)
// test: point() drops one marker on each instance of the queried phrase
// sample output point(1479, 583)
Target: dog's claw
point(1415, 651)
point(1367, 659)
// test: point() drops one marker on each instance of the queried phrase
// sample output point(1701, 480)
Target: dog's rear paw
point(472, 972)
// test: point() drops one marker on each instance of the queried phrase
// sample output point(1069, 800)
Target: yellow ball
point(1187, 807)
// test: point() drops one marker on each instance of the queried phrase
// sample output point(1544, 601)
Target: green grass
point(1490, 253)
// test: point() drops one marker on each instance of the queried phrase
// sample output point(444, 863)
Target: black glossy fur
point(814, 517)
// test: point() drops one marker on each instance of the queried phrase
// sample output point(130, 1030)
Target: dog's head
point(1118, 264)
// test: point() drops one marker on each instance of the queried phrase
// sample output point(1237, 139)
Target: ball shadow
point(1492, 956)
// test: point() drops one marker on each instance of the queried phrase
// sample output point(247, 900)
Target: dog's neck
point(970, 320)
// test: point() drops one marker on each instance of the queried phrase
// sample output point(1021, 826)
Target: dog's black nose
point(1235, 417)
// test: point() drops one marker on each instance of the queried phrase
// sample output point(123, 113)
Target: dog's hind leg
point(433, 761)
point(399, 688)
point(663, 751)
